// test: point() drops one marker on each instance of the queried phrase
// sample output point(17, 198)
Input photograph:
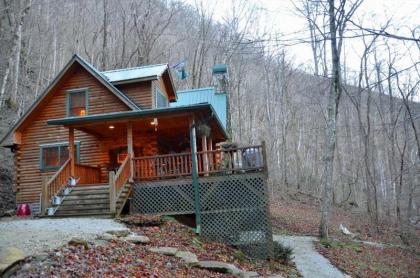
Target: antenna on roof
point(220, 78)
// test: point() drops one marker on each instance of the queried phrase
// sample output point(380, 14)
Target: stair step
point(74, 202)
point(82, 211)
point(84, 207)
point(90, 186)
point(98, 195)
point(96, 215)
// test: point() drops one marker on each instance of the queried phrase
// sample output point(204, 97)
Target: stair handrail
point(55, 184)
point(117, 181)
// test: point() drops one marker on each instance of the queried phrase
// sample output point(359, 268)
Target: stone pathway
point(308, 261)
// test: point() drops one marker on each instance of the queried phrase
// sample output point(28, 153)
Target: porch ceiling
point(172, 123)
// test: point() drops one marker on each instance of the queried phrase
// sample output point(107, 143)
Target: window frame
point(60, 145)
point(158, 91)
point(77, 91)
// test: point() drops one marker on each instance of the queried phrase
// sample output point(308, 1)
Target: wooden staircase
point(86, 200)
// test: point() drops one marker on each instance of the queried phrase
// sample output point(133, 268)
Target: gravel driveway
point(36, 235)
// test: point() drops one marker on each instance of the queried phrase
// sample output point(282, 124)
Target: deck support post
point(130, 151)
point(211, 155)
point(112, 193)
point(206, 155)
point(71, 151)
point(193, 144)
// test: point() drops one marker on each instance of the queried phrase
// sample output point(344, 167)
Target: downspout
point(197, 206)
point(193, 146)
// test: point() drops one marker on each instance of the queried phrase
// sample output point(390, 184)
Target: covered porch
point(149, 145)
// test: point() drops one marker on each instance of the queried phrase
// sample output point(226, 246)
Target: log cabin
point(108, 130)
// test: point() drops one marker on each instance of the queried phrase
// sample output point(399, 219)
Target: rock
point(107, 236)
point(78, 241)
point(120, 233)
point(249, 274)
point(10, 212)
point(188, 257)
point(220, 267)
point(275, 276)
point(100, 242)
point(137, 239)
point(10, 256)
point(168, 265)
point(169, 251)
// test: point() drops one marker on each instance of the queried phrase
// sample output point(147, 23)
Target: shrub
point(281, 252)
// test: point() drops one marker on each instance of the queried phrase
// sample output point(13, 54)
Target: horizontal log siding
point(140, 93)
point(92, 152)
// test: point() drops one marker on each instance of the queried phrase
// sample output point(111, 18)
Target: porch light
point(154, 122)
point(111, 127)
point(82, 112)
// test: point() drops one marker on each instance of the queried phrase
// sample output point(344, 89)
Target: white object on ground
point(36, 235)
point(345, 231)
point(308, 261)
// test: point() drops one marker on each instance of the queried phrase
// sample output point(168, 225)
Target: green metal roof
point(204, 95)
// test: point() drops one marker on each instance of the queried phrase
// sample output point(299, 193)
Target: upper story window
point(160, 99)
point(77, 102)
point(53, 156)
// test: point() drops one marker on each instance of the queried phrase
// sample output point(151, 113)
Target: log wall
point(38, 132)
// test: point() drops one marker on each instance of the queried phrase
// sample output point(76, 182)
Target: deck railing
point(232, 160)
point(56, 183)
point(117, 181)
point(168, 165)
point(87, 174)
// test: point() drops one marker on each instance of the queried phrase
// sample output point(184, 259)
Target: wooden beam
point(205, 156)
point(71, 151)
point(210, 148)
point(130, 151)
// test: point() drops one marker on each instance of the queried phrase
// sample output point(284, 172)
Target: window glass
point(77, 103)
point(64, 153)
point(53, 157)
point(161, 100)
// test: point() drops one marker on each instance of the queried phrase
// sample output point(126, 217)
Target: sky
point(280, 17)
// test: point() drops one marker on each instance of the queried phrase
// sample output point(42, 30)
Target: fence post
point(112, 195)
point(264, 155)
point(44, 196)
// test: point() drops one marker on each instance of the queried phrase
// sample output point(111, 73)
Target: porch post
point(211, 154)
point(206, 155)
point(130, 151)
point(71, 151)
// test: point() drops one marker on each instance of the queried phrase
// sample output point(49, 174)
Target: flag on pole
point(180, 70)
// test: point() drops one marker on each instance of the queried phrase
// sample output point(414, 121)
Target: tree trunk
point(15, 47)
point(330, 131)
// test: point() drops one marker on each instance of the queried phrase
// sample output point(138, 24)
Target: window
point(52, 156)
point(160, 99)
point(77, 102)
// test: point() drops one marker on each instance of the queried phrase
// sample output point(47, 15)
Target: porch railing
point(168, 165)
point(249, 158)
point(117, 181)
point(56, 183)
point(87, 174)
